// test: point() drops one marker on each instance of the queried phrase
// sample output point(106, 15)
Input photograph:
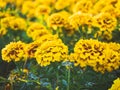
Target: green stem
point(24, 66)
point(11, 86)
point(68, 80)
point(57, 77)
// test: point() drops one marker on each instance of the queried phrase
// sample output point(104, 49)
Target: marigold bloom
point(28, 8)
point(61, 4)
point(98, 7)
point(14, 51)
point(2, 4)
point(105, 21)
point(56, 20)
point(38, 34)
point(117, 5)
point(48, 37)
point(51, 51)
point(4, 14)
point(115, 46)
point(14, 23)
point(42, 10)
point(9, 1)
point(95, 54)
point(79, 19)
point(109, 9)
point(46, 2)
point(83, 5)
point(5, 22)
point(18, 24)
point(32, 47)
point(34, 27)
point(115, 85)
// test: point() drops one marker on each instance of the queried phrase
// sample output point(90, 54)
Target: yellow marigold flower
point(69, 29)
point(109, 9)
point(115, 85)
point(3, 31)
point(4, 15)
point(115, 46)
point(46, 2)
point(99, 5)
point(39, 33)
point(95, 54)
point(28, 8)
point(18, 24)
point(117, 9)
point(32, 47)
point(48, 37)
point(42, 10)
point(79, 19)
point(84, 50)
point(14, 51)
point(5, 22)
point(61, 4)
point(51, 51)
point(34, 27)
point(56, 20)
point(9, 1)
point(2, 4)
point(83, 5)
point(15, 23)
point(111, 61)
point(112, 2)
point(19, 3)
point(105, 22)
point(65, 14)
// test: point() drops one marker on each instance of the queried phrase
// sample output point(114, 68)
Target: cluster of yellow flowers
point(48, 48)
point(70, 14)
point(40, 18)
point(14, 23)
point(32, 47)
point(46, 21)
point(116, 85)
point(99, 55)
